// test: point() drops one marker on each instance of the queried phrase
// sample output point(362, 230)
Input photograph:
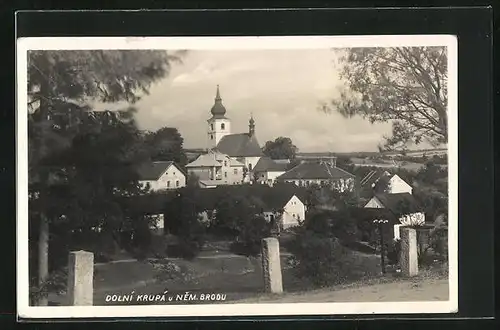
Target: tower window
point(212, 126)
point(211, 137)
point(225, 163)
point(222, 126)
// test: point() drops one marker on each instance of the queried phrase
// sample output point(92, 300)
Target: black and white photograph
point(237, 176)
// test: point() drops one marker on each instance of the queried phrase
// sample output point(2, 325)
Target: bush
point(318, 258)
point(250, 236)
point(167, 270)
point(185, 249)
point(393, 252)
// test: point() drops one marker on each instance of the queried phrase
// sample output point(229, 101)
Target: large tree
point(404, 85)
point(280, 148)
point(62, 87)
point(166, 144)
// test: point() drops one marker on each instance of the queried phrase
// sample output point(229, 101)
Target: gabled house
point(381, 181)
point(402, 209)
point(267, 170)
point(161, 175)
point(284, 203)
point(319, 173)
point(215, 168)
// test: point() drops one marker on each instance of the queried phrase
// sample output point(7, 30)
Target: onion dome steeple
point(218, 110)
point(251, 126)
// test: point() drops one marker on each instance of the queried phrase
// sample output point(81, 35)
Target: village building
point(161, 175)
point(283, 204)
point(215, 168)
point(380, 181)
point(267, 170)
point(242, 147)
point(319, 173)
point(403, 209)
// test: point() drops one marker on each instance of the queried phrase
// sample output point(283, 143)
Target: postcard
point(236, 176)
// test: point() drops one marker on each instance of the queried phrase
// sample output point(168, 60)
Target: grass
point(240, 279)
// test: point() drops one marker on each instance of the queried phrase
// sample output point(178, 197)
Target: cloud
point(283, 89)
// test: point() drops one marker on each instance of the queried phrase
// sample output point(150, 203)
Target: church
point(230, 158)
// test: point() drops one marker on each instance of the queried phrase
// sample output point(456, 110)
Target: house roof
point(154, 170)
point(205, 160)
point(372, 177)
point(315, 171)
point(399, 203)
point(271, 198)
point(239, 145)
point(266, 164)
point(213, 159)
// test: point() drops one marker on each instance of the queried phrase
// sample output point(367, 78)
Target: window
point(222, 126)
point(211, 137)
point(250, 167)
point(262, 175)
point(235, 171)
point(177, 183)
point(225, 163)
point(212, 127)
point(225, 174)
point(174, 173)
point(168, 184)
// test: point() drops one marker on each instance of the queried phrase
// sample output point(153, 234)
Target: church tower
point(218, 125)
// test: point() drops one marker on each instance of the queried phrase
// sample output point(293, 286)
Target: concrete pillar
point(409, 254)
point(271, 265)
point(81, 278)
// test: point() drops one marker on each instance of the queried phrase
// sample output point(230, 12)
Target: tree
point(405, 85)
point(184, 220)
point(241, 216)
point(280, 148)
point(166, 144)
point(62, 87)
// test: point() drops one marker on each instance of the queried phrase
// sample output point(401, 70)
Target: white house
point(319, 173)
point(282, 203)
point(397, 185)
point(399, 203)
point(268, 170)
point(294, 211)
point(215, 168)
point(161, 175)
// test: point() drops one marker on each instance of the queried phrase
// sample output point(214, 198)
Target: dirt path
point(427, 290)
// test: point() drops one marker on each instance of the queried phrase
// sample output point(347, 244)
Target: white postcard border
point(231, 43)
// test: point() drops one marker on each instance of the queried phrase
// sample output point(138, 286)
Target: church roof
point(315, 171)
point(240, 145)
point(266, 164)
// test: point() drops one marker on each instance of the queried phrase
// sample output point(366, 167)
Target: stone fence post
point(271, 265)
point(409, 253)
point(80, 278)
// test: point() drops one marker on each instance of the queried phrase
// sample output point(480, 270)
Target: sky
point(282, 89)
